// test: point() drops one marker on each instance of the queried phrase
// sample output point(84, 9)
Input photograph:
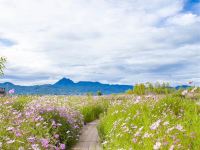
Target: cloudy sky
point(111, 41)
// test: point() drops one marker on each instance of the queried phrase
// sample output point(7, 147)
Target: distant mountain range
point(67, 87)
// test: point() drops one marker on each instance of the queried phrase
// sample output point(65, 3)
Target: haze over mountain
point(67, 87)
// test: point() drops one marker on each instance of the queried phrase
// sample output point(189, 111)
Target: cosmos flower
point(184, 92)
point(12, 91)
point(62, 146)
point(45, 143)
point(157, 146)
point(155, 125)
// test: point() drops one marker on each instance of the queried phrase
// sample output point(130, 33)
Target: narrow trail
point(89, 139)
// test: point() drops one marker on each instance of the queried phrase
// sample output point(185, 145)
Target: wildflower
point(35, 147)
point(146, 135)
point(171, 147)
point(56, 136)
point(134, 140)
point(104, 143)
point(10, 129)
point(179, 127)
point(18, 134)
point(62, 146)
point(166, 123)
point(170, 129)
point(31, 139)
point(45, 143)
point(10, 141)
point(193, 90)
point(157, 146)
point(21, 148)
point(155, 125)
point(184, 92)
point(12, 91)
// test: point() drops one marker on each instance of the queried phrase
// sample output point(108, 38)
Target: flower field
point(127, 122)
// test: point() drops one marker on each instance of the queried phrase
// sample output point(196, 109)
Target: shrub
point(99, 93)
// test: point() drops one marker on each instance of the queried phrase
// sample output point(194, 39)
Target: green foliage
point(129, 92)
point(21, 102)
point(149, 88)
point(67, 134)
point(93, 109)
point(139, 89)
point(99, 93)
point(2, 64)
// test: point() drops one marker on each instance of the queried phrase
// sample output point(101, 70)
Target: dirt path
point(89, 139)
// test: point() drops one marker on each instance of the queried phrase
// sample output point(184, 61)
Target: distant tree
point(2, 64)
point(89, 94)
point(130, 91)
point(99, 93)
point(139, 89)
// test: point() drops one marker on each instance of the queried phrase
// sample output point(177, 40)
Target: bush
point(21, 102)
point(92, 110)
point(99, 93)
point(139, 89)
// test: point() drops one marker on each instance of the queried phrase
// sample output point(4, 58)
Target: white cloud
point(112, 41)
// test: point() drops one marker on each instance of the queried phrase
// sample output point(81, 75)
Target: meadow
point(143, 118)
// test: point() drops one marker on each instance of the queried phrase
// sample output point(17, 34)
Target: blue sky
point(110, 41)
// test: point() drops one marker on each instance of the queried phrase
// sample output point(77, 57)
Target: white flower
point(184, 92)
point(157, 146)
point(179, 127)
point(165, 123)
point(146, 135)
point(9, 128)
point(10, 141)
point(21, 148)
point(0, 145)
point(155, 125)
point(104, 143)
point(171, 147)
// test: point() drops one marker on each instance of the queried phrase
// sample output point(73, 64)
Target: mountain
point(66, 87)
point(182, 87)
point(64, 82)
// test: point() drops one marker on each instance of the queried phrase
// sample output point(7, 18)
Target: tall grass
point(172, 122)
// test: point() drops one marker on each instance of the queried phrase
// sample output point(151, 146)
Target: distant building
point(2, 92)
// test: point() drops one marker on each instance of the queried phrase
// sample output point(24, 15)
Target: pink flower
point(62, 146)
point(56, 136)
point(18, 134)
point(45, 143)
point(10, 129)
point(35, 147)
point(31, 139)
point(12, 91)
point(134, 140)
point(179, 127)
point(155, 125)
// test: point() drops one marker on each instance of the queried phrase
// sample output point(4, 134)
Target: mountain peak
point(64, 81)
point(8, 83)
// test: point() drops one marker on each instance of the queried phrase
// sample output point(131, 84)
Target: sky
point(110, 41)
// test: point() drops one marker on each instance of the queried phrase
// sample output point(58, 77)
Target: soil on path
point(89, 139)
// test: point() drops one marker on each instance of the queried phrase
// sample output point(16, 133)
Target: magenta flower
point(31, 139)
point(56, 136)
point(45, 143)
point(62, 146)
point(12, 91)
